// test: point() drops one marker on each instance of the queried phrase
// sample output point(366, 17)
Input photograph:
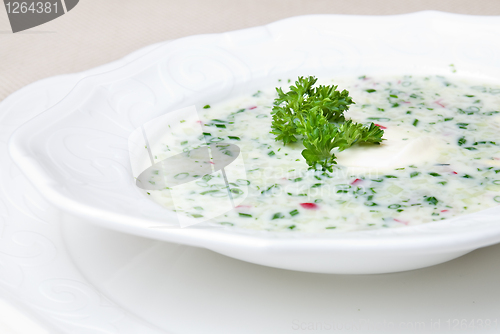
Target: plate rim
point(408, 238)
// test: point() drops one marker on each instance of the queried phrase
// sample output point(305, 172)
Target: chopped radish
point(252, 107)
point(356, 181)
point(381, 126)
point(400, 221)
point(445, 210)
point(309, 206)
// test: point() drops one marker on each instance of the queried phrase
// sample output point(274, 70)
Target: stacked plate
point(62, 202)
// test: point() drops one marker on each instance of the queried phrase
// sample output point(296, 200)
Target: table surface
point(96, 32)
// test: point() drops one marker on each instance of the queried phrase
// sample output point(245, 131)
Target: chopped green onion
point(278, 215)
point(243, 182)
point(208, 192)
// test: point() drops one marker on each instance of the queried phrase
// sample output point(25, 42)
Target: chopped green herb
point(432, 200)
point(209, 192)
point(274, 186)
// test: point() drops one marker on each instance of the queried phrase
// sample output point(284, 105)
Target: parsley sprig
point(316, 115)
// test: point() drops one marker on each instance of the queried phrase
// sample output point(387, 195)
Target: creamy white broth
point(440, 159)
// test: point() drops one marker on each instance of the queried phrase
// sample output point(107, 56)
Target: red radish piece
point(381, 126)
point(438, 102)
point(309, 206)
point(454, 172)
point(400, 221)
point(445, 210)
point(252, 107)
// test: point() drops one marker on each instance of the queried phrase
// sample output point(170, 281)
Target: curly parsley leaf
point(316, 115)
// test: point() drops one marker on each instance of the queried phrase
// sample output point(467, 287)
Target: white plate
point(78, 278)
point(76, 155)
